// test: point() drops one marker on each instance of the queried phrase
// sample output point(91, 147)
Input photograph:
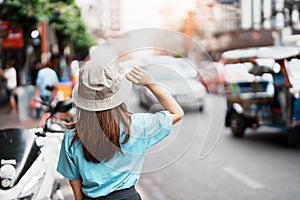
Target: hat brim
point(103, 104)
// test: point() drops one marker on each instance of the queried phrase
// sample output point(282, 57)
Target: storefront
point(12, 48)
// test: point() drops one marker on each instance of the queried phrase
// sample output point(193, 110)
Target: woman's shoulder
point(69, 134)
point(151, 127)
point(147, 118)
point(70, 141)
point(140, 116)
point(70, 131)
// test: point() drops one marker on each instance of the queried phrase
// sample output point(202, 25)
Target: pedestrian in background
point(64, 70)
point(34, 71)
point(55, 65)
point(46, 77)
point(102, 153)
point(10, 76)
point(74, 71)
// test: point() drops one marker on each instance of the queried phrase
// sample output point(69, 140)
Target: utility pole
point(44, 42)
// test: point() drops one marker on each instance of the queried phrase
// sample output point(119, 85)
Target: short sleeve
point(39, 79)
point(66, 165)
point(158, 126)
point(9, 73)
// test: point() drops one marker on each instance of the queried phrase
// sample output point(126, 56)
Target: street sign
point(14, 40)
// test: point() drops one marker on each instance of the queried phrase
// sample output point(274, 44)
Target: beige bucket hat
point(100, 87)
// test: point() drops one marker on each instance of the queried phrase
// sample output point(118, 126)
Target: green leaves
point(71, 28)
point(63, 15)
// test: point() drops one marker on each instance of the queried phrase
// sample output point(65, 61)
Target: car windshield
point(237, 72)
point(166, 72)
point(293, 69)
point(240, 73)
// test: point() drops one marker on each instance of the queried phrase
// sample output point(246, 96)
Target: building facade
point(228, 24)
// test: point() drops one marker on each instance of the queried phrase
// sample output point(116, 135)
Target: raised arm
point(141, 77)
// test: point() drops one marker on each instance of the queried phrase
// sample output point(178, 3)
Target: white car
point(178, 77)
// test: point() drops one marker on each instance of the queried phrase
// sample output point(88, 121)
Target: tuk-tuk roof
point(240, 53)
point(278, 52)
point(248, 54)
point(291, 40)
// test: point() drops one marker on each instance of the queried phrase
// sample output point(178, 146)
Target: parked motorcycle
point(29, 157)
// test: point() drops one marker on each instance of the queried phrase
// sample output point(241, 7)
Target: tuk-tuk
point(268, 95)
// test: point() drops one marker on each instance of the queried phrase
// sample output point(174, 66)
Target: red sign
point(14, 40)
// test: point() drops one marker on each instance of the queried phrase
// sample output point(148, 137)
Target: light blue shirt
point(46, 76)
point(123, 170)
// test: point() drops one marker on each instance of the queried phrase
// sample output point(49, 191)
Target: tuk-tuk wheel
point(293, 137)
point(200, 109)
point(237, 124)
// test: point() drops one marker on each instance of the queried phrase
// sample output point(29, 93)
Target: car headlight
point(33, 185)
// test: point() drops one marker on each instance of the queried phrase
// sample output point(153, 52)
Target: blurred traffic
point(233, 65)
point(265, 91)
point(178, 76)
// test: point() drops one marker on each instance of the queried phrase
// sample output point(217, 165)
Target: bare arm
point(141, 77)
point(167, 101)
point(76, 187)
point(2, 75)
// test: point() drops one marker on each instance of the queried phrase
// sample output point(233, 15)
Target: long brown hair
point(99, 132)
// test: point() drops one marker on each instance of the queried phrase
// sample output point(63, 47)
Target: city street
point(201, 160)
point(197, 51)
point(260, 166)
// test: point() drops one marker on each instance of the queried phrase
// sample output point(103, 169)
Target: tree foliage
point(24, 14)
point(71, 30)
point(63, 15)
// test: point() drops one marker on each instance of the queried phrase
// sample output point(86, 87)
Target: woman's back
point(123, 170)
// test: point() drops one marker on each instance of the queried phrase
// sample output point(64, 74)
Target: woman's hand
point(139, 76)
